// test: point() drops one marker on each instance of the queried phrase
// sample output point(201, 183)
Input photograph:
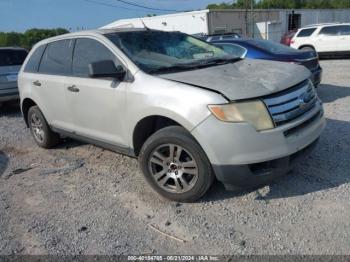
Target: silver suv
point(188, 110)
point(11, 59)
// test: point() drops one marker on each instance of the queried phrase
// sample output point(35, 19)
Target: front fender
point(152, 96)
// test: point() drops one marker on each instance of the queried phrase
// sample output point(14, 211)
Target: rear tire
point(175, 165)
point(307, 48)
point(40, 129)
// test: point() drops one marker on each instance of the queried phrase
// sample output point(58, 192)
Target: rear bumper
point(8, 91)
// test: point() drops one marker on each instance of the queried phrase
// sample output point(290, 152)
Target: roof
point(90, 33)
point(323, 24)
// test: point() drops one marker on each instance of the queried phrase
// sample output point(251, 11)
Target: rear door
point(328, 39)
point(344, 41)
point(47, 84)
point(98, 106)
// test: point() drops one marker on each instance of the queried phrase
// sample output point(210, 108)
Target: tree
point(29, 37)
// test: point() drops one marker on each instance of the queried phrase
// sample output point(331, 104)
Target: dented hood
point(244, 79)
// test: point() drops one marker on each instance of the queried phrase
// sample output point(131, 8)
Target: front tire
point(175, 165)
point(40, 129)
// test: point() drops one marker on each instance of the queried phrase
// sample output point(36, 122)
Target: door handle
point(37, 83)
point(73, 88)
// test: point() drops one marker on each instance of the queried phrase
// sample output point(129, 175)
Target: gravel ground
point(80, 199)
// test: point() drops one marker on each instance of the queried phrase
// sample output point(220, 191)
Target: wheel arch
point(26, 104)
point(306, 45)
point(147, 126)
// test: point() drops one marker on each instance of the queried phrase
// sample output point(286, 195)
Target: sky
point(20, 15)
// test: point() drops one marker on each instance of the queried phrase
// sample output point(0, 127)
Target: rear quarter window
point(306, 32)
point(57, 58)
point(32, 65)
point(11, 57)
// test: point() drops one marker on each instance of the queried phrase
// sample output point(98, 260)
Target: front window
point(157, 51)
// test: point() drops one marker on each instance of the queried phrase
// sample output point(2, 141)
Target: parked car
point(268, 50)
point(326, 39)
point(187, 109)
point(11, 59)
point(218, 37)
point(287, 37)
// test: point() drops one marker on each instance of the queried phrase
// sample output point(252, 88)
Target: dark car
point(268, 50)
point(11, 60)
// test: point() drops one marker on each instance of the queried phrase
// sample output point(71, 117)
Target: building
point(259, 23)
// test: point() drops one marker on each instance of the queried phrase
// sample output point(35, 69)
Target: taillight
point(291, 41)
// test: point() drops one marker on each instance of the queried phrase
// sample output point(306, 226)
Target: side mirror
point(106, 68)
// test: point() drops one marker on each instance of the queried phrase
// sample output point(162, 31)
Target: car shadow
point(327, 167)
point(69, 143)
point(3, 162)
point(329, 93)
point(10, 109)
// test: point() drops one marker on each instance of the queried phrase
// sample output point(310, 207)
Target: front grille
point(310, 64)
point(289, 104)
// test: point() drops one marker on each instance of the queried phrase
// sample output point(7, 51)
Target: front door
point(98, 106)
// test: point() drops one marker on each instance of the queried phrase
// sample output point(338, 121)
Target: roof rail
point(321, 24)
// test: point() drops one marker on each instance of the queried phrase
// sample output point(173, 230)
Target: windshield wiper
point(194, 65)
point(176, 67)
point(217, 61)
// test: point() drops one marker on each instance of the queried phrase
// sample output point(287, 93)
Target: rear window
point(57, 58)
point(10, 57)
point(32, 65)
point(306, 32)
point(234, 36)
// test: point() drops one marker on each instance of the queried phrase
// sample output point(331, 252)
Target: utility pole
point(246, 17)
point(251, 17)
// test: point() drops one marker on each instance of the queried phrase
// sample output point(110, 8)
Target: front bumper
point(316, 76)
point(242, 156)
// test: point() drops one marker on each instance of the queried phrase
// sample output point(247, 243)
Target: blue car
point(264, 49)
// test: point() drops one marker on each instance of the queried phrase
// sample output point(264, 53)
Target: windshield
point(156, 51)
point(272, 47)
point(9, 57)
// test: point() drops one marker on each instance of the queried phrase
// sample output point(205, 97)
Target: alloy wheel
point(37, 128)
point(173, 168)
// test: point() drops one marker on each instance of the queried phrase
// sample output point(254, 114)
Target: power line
point(147, 7)
point(110, 5)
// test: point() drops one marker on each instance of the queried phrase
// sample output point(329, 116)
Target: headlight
point(254, 112)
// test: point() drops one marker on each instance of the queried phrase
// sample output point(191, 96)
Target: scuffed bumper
point(242, 156)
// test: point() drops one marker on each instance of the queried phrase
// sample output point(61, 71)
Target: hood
point(244, 79)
